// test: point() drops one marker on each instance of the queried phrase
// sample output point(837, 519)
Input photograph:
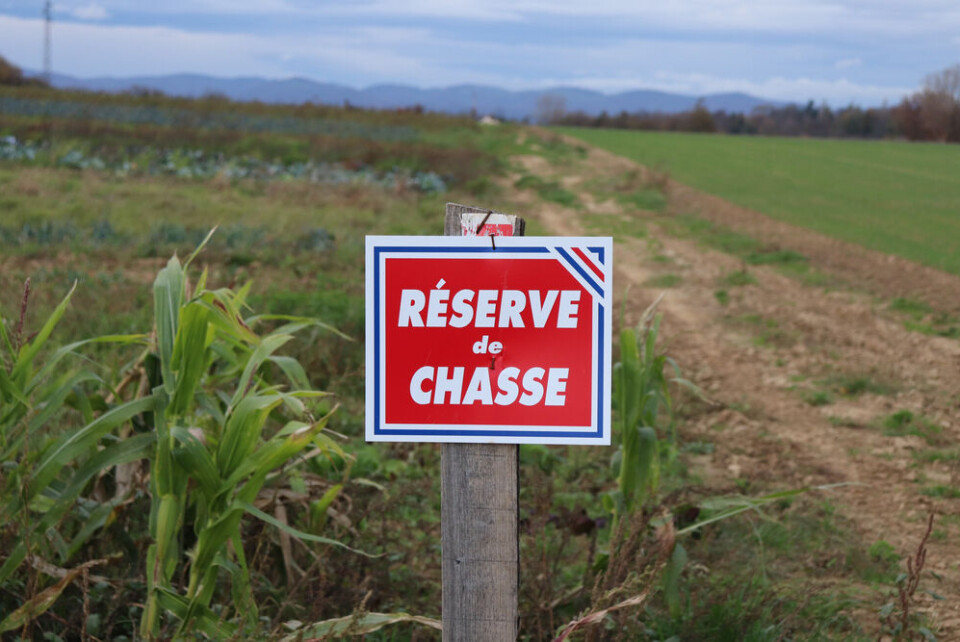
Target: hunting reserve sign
point(480, 341)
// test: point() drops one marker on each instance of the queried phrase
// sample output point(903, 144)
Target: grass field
point(898, 198)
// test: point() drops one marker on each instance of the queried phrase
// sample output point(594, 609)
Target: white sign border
point(558, 248)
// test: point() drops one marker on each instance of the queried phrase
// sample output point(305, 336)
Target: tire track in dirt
point(762, 427)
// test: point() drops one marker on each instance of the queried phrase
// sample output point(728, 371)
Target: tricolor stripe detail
point(588, 262)
point(578, 269)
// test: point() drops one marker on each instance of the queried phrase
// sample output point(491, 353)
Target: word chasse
point(447, 386)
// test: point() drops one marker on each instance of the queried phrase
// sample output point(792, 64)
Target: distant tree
point(10, 74)
point(550, 108)
point(700, 119)
point(142, 91)
point(933, 113)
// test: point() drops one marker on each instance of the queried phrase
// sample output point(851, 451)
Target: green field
point(898, 198)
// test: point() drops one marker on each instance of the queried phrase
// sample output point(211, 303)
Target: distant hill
point(517, 105)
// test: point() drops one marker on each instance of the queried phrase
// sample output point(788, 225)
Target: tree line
point(930, 114)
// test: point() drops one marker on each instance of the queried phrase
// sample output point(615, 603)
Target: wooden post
point(479, 523)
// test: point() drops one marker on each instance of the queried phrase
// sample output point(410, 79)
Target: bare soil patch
point(805, 379)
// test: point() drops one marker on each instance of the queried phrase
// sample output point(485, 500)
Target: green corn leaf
point(671, 580)
point(243, 431)
point(202, 281)
point(5, 335)
point(30, 350)
point(734, 505)
point(131, 449)
point(293, 370)
point(70, 445)
point(265, 349)
point(167, 297)
point(169, 510)
point(318, 509)
point(259, 514)
point(360, 624)
point(91, 524)
point(10, 390)
point(195, 460)
point(200, 247)
point(274, 453)
point(212, 538)
point(43, 600)
point(204, 620)
point(55, 396)
point(190, 356)
point(295, 324)
point(52, 365)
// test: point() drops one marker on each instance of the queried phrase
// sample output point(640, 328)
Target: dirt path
point(804, 378)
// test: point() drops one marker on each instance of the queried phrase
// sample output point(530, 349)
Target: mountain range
point(515, 105)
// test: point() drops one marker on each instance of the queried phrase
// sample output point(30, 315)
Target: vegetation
point(891, 197)
point(169, 468)
point(931, 114)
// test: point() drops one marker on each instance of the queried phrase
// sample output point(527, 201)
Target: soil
point(770, 346)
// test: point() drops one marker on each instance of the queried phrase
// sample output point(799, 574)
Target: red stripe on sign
point(590, 264)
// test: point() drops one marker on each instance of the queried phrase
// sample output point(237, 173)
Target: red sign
point(477, 343)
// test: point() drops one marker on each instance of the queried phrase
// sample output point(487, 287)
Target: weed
point(722, 297)
point(738, 278)
point(669, 280)
point(916, 309)
point(548, 190)
point(933, 456)
point(854, 385)
point(899, 623)
point(698, 448)
point(775, 257)
point(818, 398)
point(904, 422)
point(844, 422)
point(941, 491)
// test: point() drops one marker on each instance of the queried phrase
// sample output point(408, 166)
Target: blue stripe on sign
point(569, 259)
point(600, 334)
point(600, 252)
point(484, 433)
point(465, 250)
point(378, 430)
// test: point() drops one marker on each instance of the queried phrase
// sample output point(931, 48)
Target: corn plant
point(643, 404)
point(45, 465)
point(223, 427)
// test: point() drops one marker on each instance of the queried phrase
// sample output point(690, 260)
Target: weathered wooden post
point(480, 511)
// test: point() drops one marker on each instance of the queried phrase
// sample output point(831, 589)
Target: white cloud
point(90, 12)
point(358, 54)
point(836, 92)
point(847, 63)
point(92, 49)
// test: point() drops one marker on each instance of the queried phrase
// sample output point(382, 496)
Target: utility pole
point(48, 19)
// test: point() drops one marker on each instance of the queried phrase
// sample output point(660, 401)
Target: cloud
point(801, 89)
point(90, 12)
point(847, 63)
point(86, 49)
point(361, 53)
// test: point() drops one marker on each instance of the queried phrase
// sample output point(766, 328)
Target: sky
point(836, 51)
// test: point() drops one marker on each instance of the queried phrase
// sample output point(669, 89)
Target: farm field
point(856, 430)
point(894, 197)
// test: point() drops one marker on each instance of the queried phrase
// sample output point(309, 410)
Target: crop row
point(165, 233)
point(197, 164)
point(145, 114)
